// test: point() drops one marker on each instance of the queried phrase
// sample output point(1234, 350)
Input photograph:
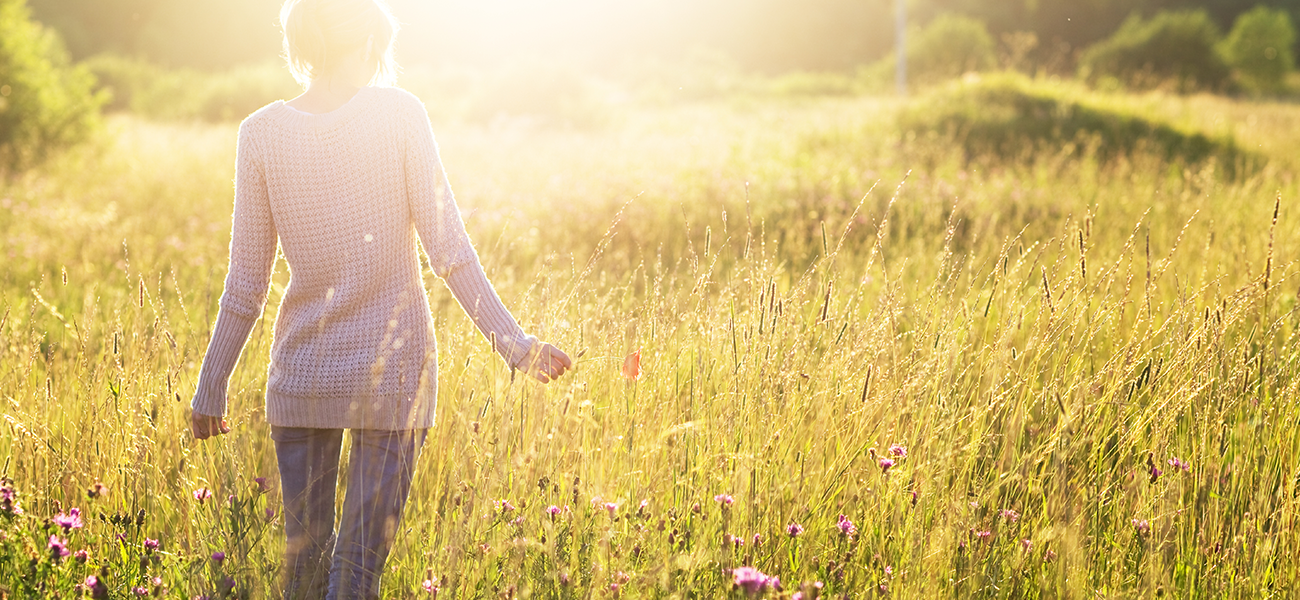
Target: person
point(346, 180)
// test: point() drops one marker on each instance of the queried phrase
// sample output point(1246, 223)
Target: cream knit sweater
point(350, 195)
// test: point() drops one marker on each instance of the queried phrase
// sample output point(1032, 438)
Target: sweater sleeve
point(451, 254)
point(253, 241)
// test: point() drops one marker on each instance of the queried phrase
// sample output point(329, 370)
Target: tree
point(1177, 47)
point(1260, 48)
point(45, 103)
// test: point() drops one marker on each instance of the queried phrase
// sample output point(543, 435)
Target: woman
point(346, 179)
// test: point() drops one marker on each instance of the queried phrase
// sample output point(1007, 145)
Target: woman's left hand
point(206, 426)
point(549, 363)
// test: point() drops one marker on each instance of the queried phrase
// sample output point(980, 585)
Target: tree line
point(766, 35)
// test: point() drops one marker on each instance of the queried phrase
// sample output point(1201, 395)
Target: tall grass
point(808, 288)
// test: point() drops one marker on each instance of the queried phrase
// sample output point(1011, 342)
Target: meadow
point(875, 363)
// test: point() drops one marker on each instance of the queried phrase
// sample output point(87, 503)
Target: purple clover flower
point(886, 464)
point(898, 451)
point(262, 485)
point(9, 498)
point(1143, 527)
point(724, 499)
point(58, 548)
point(150, 544)
point(70, 520)
point(1179, 464)
point(752, 581)
point(1010, 515)
point(202, 494)
point(794, 530)
point(218, 557)
point(553, 510)
point(847, 528)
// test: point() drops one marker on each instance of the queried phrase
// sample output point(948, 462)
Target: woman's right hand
point(549, 363)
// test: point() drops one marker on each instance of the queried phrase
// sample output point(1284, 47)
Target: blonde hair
point(318, 32)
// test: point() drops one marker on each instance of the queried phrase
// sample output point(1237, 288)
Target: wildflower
point(96, 490)
point(270, 513)
point(1179, 464)
point(641, 508)
point(695, 508)
point(757, 538)
point(1143, 527)
point(613, 587)
point(202, 494)
point(622, 577)
point(1026, 544)
point(724, 499)
point(847, 528)
point(505, 505)
point(914, 497)
point(898, 451)
point(81, 556)
point(1049, 556)
point(886, 464)
point(794, 530)
point(632, 366)
point(430, 587)
point(553, 510)
point(1010, 515)
point(612, 508)
point(262, 485)
point(58, 548)
point(69, 521)
point(139, 590)
point(736, 540)
point(753, 581)
point(150, 544)
point(9, 498)
point(218, 557)
point(97, 587)
point(984, 535)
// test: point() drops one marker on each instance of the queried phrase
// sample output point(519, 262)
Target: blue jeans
point(319, 563)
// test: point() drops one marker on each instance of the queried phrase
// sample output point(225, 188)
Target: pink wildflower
point(847, 528)
point(724, 499)
point(1143, 527)
point(794, 530)
point(1010, 515)
point(886, 464)
point(69, 521)
point(752, 581)
point(202, 494)
point(58, 548)
point(898, 451)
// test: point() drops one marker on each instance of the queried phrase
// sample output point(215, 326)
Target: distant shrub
point(1009, 116)
point(1260, 48)
point(185, 94)
point(45, 102)
point(950, 46)
point(1172, 48)
point(803, 83)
